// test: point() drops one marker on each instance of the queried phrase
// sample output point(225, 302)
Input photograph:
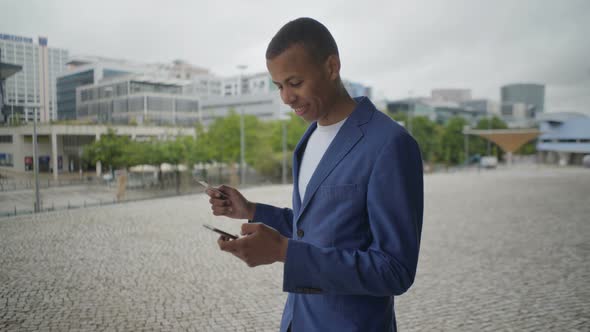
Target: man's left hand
point(260, 245)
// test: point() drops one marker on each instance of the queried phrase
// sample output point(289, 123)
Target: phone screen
point(218, 231)
point(208, 186)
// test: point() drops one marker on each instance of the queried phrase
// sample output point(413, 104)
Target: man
point(351, 241)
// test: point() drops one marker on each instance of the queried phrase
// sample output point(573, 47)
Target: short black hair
point(311, 34)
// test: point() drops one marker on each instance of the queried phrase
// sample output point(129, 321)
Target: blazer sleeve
point(280, 219)
point(388, 266)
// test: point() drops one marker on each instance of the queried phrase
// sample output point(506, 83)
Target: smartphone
point(218, 231)
point(208, 186)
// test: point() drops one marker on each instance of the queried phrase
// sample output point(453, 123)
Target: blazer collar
point(347, 137)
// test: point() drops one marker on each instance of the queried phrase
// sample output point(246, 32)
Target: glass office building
point(32, 90)
point(137, 101)
point(67, 84)
point(529, 94)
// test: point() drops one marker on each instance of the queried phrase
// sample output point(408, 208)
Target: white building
point(267, 106)
point(518, 115)
point(60, 146)
point(451, 95)
point(204, 85)
point(251, 84)
point(84, 71)
point(487, 106)
point(33, 88)
point(137, 99)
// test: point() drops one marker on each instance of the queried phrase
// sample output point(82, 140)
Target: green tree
point(425, 133)
point(295, 129)
point(176, 152)
point(529, 148)
point(453, 141)
point(109, 150)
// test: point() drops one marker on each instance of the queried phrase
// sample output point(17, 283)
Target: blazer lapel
point(344, 141)
point(297, 154)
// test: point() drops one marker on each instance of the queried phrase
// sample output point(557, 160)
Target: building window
point(6, 159)
point(5, 138)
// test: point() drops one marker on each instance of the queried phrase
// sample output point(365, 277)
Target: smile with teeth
point(300, 110)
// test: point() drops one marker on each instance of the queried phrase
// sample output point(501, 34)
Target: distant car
point(474, 160)
point(107, 177)
point(488, 162)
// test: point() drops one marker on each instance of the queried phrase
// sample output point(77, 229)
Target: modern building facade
point(565, 138)
point(138, 100)
point(6, 70)
point(60, 146)
point(247, 84)
point(451, 95)
point(266, 107)
point(32, 90)
point(518, 115)
point(524, 93)
point(437, 111)
point(81, 75)
point(487, 106)
point(204, 85)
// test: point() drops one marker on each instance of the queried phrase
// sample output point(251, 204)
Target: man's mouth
point(300, 110)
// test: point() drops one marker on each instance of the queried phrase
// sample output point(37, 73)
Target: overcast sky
point(397, 47)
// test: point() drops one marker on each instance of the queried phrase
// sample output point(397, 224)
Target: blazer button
point(300, 233)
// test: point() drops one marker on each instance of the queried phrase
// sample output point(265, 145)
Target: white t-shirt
point(317, 144)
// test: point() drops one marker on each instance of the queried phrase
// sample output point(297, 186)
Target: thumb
point(226, 189)
point(250, 228)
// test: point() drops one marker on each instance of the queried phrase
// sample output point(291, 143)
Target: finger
point(212, 192)
point(222, 239)
point(219, 202)
point(249, 228)
point(232, 246)
point(221, 211)
point(227, 190)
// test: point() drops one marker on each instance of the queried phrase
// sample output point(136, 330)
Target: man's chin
point(306, 118)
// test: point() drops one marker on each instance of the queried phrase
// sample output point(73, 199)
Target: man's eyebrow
point(286, 80)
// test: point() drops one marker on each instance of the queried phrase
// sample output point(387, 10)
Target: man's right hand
point(232, 204)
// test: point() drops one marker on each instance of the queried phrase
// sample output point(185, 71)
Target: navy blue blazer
point(354, 240)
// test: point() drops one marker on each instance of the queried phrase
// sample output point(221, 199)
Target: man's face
point(304, 84)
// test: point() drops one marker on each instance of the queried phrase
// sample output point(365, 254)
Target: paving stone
point(501, 250)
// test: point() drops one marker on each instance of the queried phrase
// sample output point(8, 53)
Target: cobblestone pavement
point(503, 250)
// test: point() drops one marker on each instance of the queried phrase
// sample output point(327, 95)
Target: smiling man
point(350, 242)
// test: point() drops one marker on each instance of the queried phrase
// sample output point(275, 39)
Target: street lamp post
point(284, 168)
point(242, 149)
point(466, 137)
point(242, 134)
point(410, 111)
point(489, 127)
point(37, 206)
point(284, 119)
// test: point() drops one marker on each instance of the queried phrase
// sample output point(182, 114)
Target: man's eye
point(296, 84)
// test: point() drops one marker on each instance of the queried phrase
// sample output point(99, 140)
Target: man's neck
point(339, 110)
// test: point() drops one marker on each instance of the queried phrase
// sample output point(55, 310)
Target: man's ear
point(333, 67)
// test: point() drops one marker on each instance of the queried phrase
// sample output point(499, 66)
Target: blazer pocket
point(339, 192)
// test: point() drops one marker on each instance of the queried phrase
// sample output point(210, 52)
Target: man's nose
point(288, 96)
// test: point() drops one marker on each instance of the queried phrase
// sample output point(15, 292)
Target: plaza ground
point(502, 250)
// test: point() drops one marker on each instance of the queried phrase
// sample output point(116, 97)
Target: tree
point(425, 133)
point(109, 150)
point(452, 141)
point(175, 152)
